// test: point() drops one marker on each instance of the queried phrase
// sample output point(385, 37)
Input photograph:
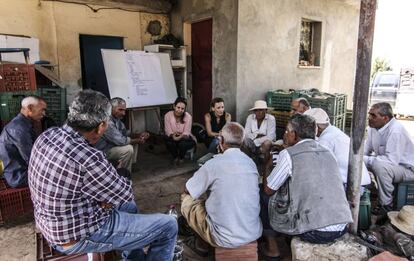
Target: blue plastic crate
point(405, 194)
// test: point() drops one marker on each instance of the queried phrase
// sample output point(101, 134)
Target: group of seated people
point(82, 204)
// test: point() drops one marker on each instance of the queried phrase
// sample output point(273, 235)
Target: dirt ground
point(157, 184)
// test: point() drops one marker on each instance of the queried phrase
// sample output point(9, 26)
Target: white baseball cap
point(320, 116)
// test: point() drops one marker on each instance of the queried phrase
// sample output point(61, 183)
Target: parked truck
point(384, 88)
point(405, 95)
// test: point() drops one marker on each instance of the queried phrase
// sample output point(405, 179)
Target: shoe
point(381, 210)
point(191, 242)
point(183, 228)
point(263, 257)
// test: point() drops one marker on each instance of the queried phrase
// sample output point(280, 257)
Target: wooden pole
point(360, 107)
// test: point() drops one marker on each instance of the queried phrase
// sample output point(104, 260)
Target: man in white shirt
point(229, 217)
point(337, 142)
point(260, 131)
point(389, 152)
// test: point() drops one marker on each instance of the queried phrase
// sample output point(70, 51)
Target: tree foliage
point(380, 65)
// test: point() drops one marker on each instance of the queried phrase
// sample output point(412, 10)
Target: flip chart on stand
point(141, 79)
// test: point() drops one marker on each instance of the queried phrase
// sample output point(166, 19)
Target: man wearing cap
point(299, 106)
point(336, 141)
point(260, 131)
point(389, 153)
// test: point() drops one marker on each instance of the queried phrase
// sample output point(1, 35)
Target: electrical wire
point(95, 10)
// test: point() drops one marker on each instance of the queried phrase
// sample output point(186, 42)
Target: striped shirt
point(282, 172)
point(68, 180)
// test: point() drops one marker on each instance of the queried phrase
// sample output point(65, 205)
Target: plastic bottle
point(172, 212)
point(178, 248)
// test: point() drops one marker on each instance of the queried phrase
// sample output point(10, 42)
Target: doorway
point(93, 72)
point(201, 56)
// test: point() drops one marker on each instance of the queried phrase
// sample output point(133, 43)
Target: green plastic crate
point(338, 121)
point(280, 100)
point(10, 103)
point(364, 217)
point(56, 103)
point(333, 104)
point(54, 97)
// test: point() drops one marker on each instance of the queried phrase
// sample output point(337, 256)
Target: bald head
point(299, 106)
point(33, 107)
point(30, 100)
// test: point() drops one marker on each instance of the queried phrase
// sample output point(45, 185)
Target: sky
point(394, 33)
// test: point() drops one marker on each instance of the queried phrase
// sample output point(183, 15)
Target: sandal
point(191, 242)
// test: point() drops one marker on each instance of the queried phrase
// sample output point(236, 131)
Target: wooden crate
point(246, 253)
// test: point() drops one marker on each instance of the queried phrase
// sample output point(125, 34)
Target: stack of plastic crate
point(279, 101)
point(348, 122)
point(10, 104)
point(333, 104)
point(56, 103)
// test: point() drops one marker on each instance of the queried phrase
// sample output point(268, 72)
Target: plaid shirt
point(68, 181)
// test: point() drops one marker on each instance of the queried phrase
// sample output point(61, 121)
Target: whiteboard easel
point(141, 79)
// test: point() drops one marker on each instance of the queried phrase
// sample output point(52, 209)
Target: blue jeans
point(130, 232)
point(212, 148)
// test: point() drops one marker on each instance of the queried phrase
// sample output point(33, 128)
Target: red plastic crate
point(15, 203)
point(17, 77)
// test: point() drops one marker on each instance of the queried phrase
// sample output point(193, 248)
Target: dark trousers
point(179, 148)
point(314, 236)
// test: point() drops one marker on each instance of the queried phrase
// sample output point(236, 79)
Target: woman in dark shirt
point(214, 122)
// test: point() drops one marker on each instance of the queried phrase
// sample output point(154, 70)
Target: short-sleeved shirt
point(233, 205)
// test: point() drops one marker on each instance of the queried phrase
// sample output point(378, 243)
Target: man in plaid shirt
point(81, 204)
